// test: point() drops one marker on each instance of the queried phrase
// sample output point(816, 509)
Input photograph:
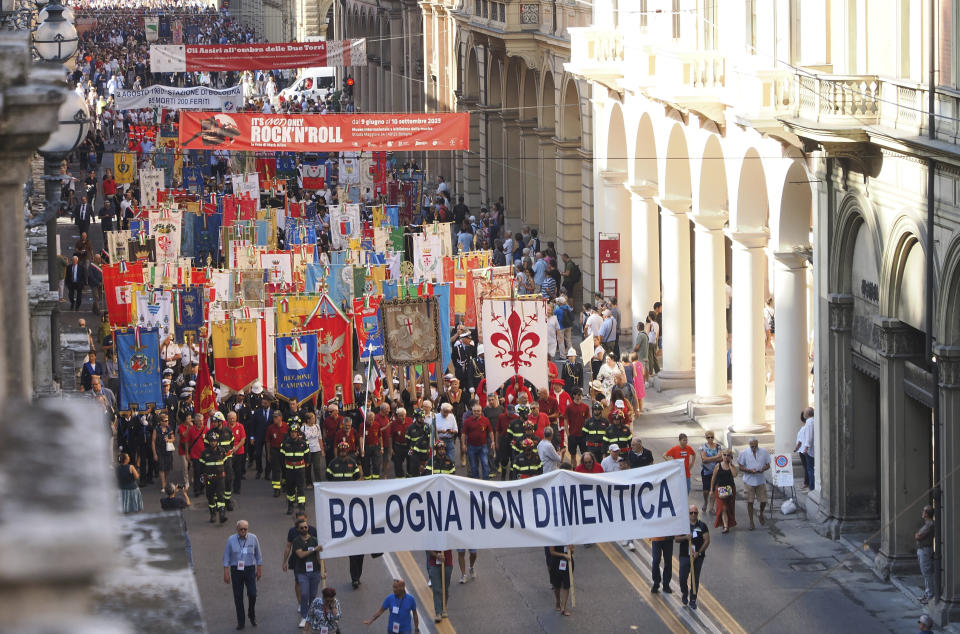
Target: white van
point(311, 83)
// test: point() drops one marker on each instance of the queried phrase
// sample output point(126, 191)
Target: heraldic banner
point(515, 341)
point(297, 372)
point(172, 58)
point(411, 330)
point(336, 349)
point(138, 365)
point(190, 304)
point(367, 322)
point(235, 352)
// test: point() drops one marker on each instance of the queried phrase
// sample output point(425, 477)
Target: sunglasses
point(694, 513)
point(709, 437)
point(242, 530)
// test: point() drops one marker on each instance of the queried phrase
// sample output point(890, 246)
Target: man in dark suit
point(83, 214)
point(257, 425)
point(90, 369)
point(75, 281)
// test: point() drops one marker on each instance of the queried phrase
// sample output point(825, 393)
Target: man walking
point(693, 547)
point(75, 281)
point(753, 462)
point(477, 442)
point(243, 567)
point(402, 608)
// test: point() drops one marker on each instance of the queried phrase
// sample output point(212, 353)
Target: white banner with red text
point(438, 512)
point(179, 58)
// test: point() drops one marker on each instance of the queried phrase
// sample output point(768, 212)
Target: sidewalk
point(790, 552)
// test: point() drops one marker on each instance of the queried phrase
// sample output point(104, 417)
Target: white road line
point(699, 623)
point(426, 623)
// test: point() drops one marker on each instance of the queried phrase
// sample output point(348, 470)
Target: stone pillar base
point(673, 379)
point(885, 565)
point(944, 612)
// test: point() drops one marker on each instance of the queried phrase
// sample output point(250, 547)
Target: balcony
point(597, 54)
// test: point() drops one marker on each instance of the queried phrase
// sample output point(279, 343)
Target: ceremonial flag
point(154, 311)
point(427, 257)
point(367, 324)
point(192, 304)
point(173, 58)
point(278, 265)
point(297, 372)
point(515, 340)
point(204, 400)
point(335, 349)
point(151, 180)
point(312, 176)
point(235, 352)
point(124, 167)
point(442, 293)
point(266, 329)
point(138, 366)
point(165, 228)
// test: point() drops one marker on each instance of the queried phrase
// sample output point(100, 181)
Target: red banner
point(325, 132)
point(178, 58)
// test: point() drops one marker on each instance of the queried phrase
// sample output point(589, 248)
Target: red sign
point(178, 58)
point(609, 248)
point(325, 132)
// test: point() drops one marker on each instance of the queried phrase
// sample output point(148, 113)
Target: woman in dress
point(324, 613)
point(561, 566)
point(164, 446)
point(724, 490)
point(131, 501)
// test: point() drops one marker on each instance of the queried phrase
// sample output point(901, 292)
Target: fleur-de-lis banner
point(515, 340)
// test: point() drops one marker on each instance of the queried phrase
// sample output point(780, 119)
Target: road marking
point(419, 581)
point(395, 573)
point(633, 577)
point(708, 604)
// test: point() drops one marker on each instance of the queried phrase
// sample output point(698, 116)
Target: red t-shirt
point(576, 416)
point(541, 421)
point(330, 426)
point(276, 434)
point(383, 424)
point(687, 454)
point(549, 406)
point(347, 435)
point(195, 441)
point(182, 430)
point(239, 436)
point(398, 429)
point(476, 429)
point(503, 422)
point(373, 433)
point(596, 468)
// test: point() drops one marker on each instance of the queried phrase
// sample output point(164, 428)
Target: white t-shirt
point(313, 435)
point(446, 426)
point(608, 464)
point(594, 321)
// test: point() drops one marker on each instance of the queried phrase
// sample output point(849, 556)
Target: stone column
point(471, 160)
point(571, 219)
point(529, 151)
point(747, 344)
point(645, 243)
point(615, 218)
point(710, 320)
point(513, 166)
point(834, 413)
point(677, 327)
point(43, 303)
point(792, 369)
point(904, 451)
point(947, 607)
point(547, 172)
point(495, 154)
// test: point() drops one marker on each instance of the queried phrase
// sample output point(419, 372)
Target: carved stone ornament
point(948, 366)
point(530, 13)
point(841, 313)
point(895, 339)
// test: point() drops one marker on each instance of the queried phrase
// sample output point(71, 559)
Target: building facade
point(786, 146)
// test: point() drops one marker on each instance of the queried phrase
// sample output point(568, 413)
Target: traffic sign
point(782, 471)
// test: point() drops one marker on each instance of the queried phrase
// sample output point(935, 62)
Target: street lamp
point(55, 39)
point(68, 13)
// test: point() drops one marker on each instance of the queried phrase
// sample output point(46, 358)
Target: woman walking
point(561, 567)
point(725, 491)
point(131, 501)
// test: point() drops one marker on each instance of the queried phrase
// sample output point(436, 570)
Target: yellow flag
point(124, 167)
point(243, 343)
point(293, 310)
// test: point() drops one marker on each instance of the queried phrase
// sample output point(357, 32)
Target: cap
point(557, 382)
point(192, 384)
point(571, 352)
point(527, 443)
point(606, 312)
point(561, 300)
point(166, 381)
point(614, 447)
point(448, 377)
point(218, 416)
point(618, 403)
point(184, 394)
point(479, 349)
point(464, 335)
point(925, 620)
point(167, 371)
point(358, 379)
point(211, 437)
point(256, 388)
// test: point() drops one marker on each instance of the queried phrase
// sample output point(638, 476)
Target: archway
point(613, 222)
point(514, 167)
point(530, 145)
point(546, 154)
point(495, 158)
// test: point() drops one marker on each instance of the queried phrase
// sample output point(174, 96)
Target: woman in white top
point(312, 433)
point(553, 331)
point(608, 374)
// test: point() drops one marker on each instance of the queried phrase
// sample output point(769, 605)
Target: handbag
point(724, 491)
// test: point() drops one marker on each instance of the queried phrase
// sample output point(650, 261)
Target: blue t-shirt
point(401, 612)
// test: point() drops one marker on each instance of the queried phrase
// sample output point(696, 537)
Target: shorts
point(707, 480)
point(559, 579)
point(575, 443)
point(758, 493)
point(473, 551)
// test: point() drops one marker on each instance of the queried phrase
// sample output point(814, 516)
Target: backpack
point(566, 317)
point(575, 274)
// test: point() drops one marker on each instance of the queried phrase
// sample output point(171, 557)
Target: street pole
point(51, 196)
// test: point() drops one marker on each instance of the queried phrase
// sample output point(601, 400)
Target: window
point(643, 14)
point(484, 8)
point(751, 14)
point(675, 14)
point(709, 24)
point(476, 7)
point(503, 12)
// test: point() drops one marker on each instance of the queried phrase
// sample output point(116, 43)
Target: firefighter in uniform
point(594, 430)
point(529, 431)
point(617, 431)
point(440, 462)
point(528, 462)
point(418, 438)
point(276, 432)
point(341, 469)
point(295, 452)
point(515, 430)
point(505, 447)
point(211, 463)
point(226, 446)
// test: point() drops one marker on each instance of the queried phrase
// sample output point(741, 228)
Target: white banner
point(165, 225)
point(151, 25)
point(558, 508)
point(196, 98)
point(345, 224)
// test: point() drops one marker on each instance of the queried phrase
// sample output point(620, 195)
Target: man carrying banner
point(344, 468)
point(439, 571)
point(418, 438)
point(527, 463)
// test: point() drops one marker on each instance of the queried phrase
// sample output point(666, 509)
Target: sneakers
point(473, 572)
point(693, 604)
point(630, 545)
point(302, 622)
point(429, 583)
point(463, 578)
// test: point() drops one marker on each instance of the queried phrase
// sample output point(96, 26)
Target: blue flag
point(442, 293)
point(389, 289)
point(191, 312)
point(206, 239)
point(393, 215)
point(139, 369)
point(297, 374)
point(312, 277)
point(193, 179)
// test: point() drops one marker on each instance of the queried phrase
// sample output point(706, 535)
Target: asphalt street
point(780, 578)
